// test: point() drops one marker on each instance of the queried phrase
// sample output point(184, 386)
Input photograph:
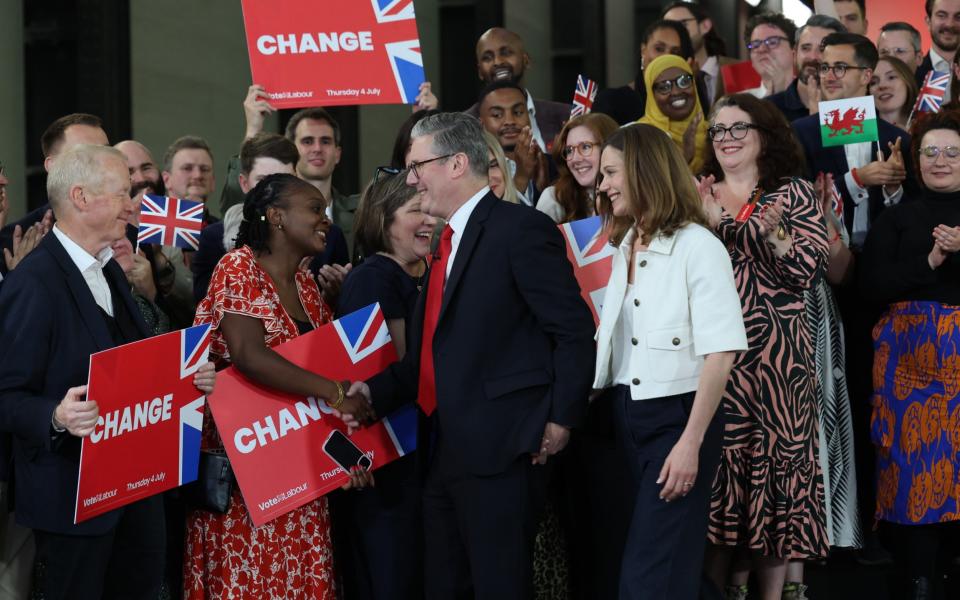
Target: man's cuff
point(857, 193)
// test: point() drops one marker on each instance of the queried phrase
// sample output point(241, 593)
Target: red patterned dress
point(225, 555)
point(768, 493)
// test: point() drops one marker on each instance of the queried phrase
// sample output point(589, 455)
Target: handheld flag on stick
point(170, 222)
point(848, 121)
point(931, 95)
point(583, 96)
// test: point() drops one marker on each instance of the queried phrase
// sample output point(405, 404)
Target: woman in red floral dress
point(259, 298)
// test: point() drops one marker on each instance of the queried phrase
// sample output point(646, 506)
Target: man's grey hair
point(82, 164)
point(453, 133)
point(822, 21)
point(903, 26)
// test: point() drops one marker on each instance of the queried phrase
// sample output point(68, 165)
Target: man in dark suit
point(65, 301)
point(943, 17)
point(501, 56)
point(868, 180)
point(501, 350)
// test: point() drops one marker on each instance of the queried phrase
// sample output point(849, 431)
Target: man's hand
point(256, 107)
point(330, 278)
point(205, 378)
point(555, 438)
point(23, 244)
point(425, 99)
point(140, 276)
point(357, 400)
point(76, 415)
point(888, 172)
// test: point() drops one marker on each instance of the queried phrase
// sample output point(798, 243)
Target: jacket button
point(643, 263)
point(636, 302)
point(633, 341)
point(676, 341)
point(636, 381)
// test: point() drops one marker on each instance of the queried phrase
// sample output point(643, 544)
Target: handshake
point(354, 407)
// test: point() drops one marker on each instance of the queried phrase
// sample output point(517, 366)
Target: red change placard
point(147, 438)
point(329, 52)
point(276, 441)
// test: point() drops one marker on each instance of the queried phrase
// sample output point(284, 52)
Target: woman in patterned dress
point(258, 298)
point(910, 262)
point(768, 495)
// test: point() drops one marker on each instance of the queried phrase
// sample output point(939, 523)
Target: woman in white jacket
point(670, 326)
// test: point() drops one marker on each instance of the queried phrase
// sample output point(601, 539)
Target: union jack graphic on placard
point(404, 54)
point(592, 258)
point(931, 95)
point(363, 332)
point(191, 424)
point(583, 97)
point(194, 347)
point(170, 222)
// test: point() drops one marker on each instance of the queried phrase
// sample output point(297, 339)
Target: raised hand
point(23, 243)
point(256, 106)
point(690, 137)
point(140, 276)
point(710, 204)
point(330, 279)
point(425, 100)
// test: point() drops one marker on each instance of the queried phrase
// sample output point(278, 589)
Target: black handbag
point(214, 485)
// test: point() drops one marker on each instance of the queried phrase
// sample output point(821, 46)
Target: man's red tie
point(427, 390)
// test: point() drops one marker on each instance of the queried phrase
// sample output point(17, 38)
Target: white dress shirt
point(858, 156)
point(711, 71)
point(458, 222)
point(685, 305)
point(91, 268)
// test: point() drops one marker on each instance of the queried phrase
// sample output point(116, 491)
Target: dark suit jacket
point(834, 160)
point(550, 117)
point(513, 345)
point(49, 326)
point(925, 67)
point(789, 102)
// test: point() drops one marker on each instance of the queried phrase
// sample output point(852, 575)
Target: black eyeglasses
point(385, 171)
point(682, 82)
point(737, 131)
point(415, 166)
point(585, 149)
point(839, 69)
point(950, 153)
point(772, 43)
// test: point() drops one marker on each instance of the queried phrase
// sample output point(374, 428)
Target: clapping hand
point(23, 243)
point(771, 219)
point(690, 138)
point(947, 238)
point(710, 204)
point(330, 278)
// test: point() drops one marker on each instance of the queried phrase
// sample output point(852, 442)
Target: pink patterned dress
point(225, 555)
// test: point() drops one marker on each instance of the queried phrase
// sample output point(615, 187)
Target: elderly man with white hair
point(65, 301)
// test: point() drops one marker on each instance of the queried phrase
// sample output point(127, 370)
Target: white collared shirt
point(458, 222)
point(943, 65)
point(858, 156)
point(91, 268)
point(684, 305)
point(534, 128)
point(711, 69)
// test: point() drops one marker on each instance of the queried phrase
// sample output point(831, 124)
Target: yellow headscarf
point(654, 116)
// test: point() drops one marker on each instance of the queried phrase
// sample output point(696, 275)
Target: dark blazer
point(49, 327)
point(513, 345)
point(834, 160)
point(550, 117)
point(789, 102)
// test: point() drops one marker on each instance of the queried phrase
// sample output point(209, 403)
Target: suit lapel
point(118, 281)
point(468, 242)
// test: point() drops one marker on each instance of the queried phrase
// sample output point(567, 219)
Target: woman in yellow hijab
point(673, 106)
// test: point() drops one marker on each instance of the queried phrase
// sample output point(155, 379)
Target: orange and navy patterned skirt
point(916, 413)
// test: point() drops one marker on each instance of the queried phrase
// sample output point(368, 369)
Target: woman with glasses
point(894, 91)
point(670, 328)
point(627, 103)
point(673, 106)
point(768, 495)
point(577, 155)
point(910, 263)
point(378, 531)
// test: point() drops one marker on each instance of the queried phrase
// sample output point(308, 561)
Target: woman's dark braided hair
point(272, 190)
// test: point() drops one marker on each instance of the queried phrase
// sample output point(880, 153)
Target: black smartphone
point(344, 452)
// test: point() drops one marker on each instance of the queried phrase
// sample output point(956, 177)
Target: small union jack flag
point(583, 96)
point(170, 222)
point(931, 95)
